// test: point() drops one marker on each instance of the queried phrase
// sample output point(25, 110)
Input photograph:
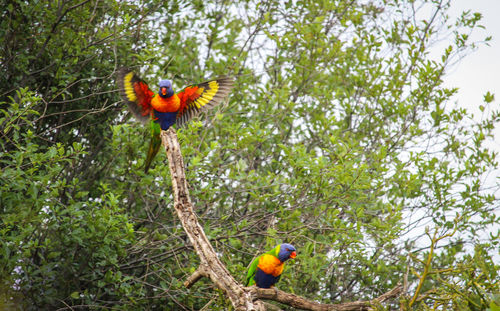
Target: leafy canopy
point(339, 138)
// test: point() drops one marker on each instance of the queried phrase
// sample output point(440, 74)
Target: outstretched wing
point(203, 96)
point(136, 93)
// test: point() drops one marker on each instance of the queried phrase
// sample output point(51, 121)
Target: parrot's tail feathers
point(153, 149)
point(151, 155)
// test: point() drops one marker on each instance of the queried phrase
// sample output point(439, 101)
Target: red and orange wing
point(136, 93)
point(201, 97)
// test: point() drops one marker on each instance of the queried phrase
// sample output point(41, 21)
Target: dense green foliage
point(339, 138)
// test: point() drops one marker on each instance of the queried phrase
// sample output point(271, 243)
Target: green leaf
point(488, 98)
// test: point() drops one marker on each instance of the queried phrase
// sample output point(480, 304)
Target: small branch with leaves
point(435, 238)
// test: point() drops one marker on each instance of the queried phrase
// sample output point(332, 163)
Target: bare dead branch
point(305, 304)
point(195, 277)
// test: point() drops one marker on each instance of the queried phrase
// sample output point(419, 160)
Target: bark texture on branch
point(195, 277)
point(242, 298)
point(302, 303)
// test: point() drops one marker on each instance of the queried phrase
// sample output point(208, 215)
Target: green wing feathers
point(251, 272)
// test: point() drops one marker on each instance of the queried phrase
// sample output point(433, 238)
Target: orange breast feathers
point(170, 104)
point(270, 265)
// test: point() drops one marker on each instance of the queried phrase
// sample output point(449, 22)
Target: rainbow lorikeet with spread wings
point(266, 269)
point(166, 108)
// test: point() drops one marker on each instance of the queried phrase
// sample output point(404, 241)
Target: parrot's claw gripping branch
point(242, 298)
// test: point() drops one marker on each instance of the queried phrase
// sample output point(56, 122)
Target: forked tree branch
point(242, 298)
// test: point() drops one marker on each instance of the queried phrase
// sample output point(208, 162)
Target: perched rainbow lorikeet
point(266, 269)
point(166, 108)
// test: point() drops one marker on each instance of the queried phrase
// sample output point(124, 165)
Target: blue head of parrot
point(166, 88)
point(286, 252)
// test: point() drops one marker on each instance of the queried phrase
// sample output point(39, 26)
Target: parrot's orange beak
point(164, 90)
point(293, 255)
